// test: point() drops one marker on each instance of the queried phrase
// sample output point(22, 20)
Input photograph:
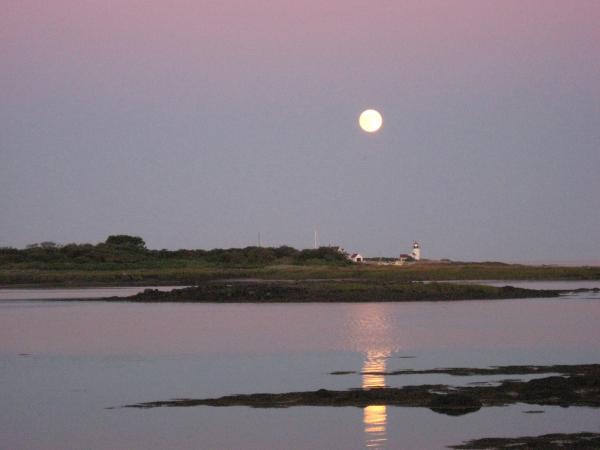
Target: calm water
point(63, 363)
point(63, 293)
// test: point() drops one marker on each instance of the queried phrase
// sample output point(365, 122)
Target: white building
point(356, 257)
point(416, 253)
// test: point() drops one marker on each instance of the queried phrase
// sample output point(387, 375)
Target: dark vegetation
point(332, 291)
point(124, 259)
point(122, 251)
point(578, 386)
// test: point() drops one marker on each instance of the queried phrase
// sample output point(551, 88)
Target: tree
point(124, 240)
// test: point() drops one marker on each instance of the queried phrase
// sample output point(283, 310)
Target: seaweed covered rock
point(454, 404)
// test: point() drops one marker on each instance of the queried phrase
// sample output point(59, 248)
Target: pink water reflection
point(126, 328)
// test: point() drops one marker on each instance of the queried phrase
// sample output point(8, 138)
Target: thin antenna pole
point(316, 239)
point(259, 243)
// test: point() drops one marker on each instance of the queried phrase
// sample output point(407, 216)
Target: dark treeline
point(120, 250)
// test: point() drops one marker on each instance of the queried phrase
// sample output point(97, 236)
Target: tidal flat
point(333, 291)
point(556, 441)
point(577, 385)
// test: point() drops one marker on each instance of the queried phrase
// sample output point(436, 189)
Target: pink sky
point(116, 44)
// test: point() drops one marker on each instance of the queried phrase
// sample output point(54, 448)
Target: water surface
point(63, 363)
point(66, 293)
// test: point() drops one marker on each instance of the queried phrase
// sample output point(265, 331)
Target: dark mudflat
point(576, 441)
point(436, 397)
point(332, 291)
point(499, 370)
point(580, 387)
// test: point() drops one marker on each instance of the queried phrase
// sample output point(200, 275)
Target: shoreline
point(565, 386)
point(575, 385)
point(136, 275)
point(315, 291)
point(181, 284)
point(572, 441)
point(332, 292)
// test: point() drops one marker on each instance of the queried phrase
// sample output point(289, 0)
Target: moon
point(370, 120)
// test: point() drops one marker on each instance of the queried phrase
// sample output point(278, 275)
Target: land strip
point(578, 386)
point(189, 273)
point(499, 370)
point(574, 441)
point(331, 291)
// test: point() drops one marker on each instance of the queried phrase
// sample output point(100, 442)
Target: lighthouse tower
point(416, 253)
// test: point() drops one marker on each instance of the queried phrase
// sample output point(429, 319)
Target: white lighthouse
point(416, 253)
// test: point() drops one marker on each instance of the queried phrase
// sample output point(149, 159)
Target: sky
point(199, 124)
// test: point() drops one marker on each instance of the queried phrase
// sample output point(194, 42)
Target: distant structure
point(414, 256)
point(404, 257)
point(356, 257)
point(416, 253)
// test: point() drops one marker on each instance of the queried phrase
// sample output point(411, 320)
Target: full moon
point(370, 120)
